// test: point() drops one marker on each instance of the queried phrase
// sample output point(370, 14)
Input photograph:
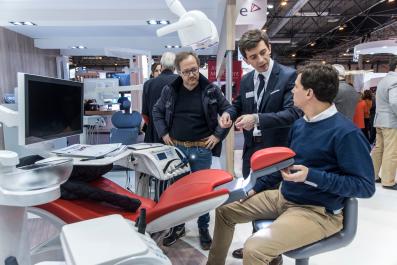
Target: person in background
point(155, 70)
point(372, 112)
point(186, 116)
point(264, 109)
point(367, 97)
point(384, 153)
point(122, 98)
point(151, 93)
point(359, 114)
point(347, 98)
point(332, 163)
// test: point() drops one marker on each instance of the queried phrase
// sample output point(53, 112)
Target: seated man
point(332, 163)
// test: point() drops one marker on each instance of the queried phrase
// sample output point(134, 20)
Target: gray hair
point(167, 61)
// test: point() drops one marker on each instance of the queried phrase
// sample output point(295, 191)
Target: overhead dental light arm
point(176, 7)
point(181, 24)
point(194, 28)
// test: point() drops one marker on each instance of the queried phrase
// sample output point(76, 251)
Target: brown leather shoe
point(238, 253)
point(277, 261)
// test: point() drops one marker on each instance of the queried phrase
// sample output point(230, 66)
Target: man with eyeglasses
point(264, 109)
point(186, 116)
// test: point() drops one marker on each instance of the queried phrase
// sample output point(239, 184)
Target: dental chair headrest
point(270, 156)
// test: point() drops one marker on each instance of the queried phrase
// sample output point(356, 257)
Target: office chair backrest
point(127, 126)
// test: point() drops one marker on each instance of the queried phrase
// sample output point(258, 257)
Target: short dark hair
point(393, 64)
point(182, 56)
point(153, 68)
point(250, 40)
point(367, 95)
point(322, 79)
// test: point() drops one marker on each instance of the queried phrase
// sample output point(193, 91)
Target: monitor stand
point(42, 148)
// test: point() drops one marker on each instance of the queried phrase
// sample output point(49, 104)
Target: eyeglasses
point(190, 71)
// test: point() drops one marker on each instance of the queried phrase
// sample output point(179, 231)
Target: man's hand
point(246, 122)
point(225, 121)
point(167, 139)
point(249, 195)
point(295, 173)
point(211, 141)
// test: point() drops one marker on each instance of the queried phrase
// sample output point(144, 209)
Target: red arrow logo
point(254, 7)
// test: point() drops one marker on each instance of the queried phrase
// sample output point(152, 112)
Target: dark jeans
point(199, 158)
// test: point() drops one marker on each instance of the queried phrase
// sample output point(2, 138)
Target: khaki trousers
point(295, 226)
point(385, 154)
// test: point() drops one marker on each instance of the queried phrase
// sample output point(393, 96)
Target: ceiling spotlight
point(390, 1)
point(267, 13)
point(79, 47)
point(270, 6)
point(28, 23)
point(341, 28)
point(152, 22)
point(22, 23)
point(283, 3)
point(264, 30)
point(312, 44)
point(164, 22)
point(367, 61)
point(293, 55)
point(323, 62)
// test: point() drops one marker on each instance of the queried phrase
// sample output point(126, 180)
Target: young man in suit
point(264, 109)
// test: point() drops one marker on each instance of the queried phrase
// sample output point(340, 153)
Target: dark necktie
point(261, 85)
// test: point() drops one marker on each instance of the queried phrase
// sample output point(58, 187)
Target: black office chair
point(338, 240)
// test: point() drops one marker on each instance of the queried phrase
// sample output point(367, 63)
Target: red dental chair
point(186, 199)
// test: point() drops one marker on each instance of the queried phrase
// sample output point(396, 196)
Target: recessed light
point(312, 44)
point(22, 23)
point(173, 46)
point(158, 22)
point(323, 62)
point(270, 6)
point(79, 47)
point(341, 28)
point(283, 3)
point(267, 13)
point(293, 55)
point(367, 61)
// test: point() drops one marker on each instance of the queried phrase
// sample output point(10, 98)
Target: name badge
point(249, 94)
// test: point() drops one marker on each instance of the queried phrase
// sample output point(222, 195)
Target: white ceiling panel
point(100, 24)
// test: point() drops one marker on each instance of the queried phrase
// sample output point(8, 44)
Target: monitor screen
point(52, 108)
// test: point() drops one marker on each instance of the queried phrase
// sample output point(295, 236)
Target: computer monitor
point(48, 108)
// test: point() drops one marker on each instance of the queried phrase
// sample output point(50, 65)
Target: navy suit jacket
point(276, 113)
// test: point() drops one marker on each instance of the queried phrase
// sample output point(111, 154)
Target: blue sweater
point(338, 157)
